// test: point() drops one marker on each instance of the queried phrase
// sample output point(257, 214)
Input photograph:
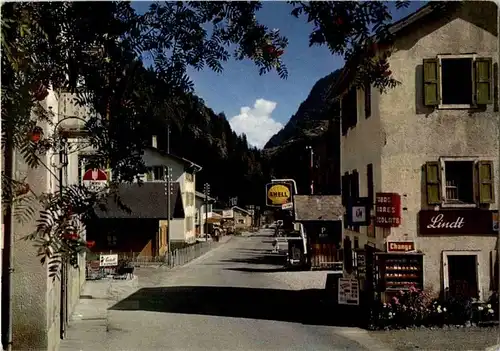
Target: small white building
point(183, 172)
point(203, 212)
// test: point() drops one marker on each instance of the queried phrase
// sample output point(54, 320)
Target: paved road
point(230, 299)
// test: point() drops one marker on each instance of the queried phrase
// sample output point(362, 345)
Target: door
point(462, 275)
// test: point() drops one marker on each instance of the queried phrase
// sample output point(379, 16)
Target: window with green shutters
point(484, 77)
point(431, 82)
point(433, 182)
point(459, 181)
point(486, 182)
point(458, 81)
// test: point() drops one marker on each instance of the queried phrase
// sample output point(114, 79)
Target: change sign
point(278, 194)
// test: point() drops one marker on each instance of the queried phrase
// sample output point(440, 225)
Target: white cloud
point(256, 122)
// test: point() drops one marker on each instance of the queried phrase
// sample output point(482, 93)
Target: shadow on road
point(299, 306)
point(271, 259)
point(256, 270)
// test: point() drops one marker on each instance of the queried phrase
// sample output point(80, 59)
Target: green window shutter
point(484, 78)
point(431, 82)
point(433, 183)
point(486, 182)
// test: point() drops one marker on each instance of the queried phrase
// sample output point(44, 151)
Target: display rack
point(400, 271)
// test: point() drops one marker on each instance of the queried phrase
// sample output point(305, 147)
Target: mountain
point(230, 165)
point(314, 125)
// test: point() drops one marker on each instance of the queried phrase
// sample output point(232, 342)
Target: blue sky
point(260, 105)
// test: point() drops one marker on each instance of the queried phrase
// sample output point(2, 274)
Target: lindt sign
point(458, 222)
point(387, 210)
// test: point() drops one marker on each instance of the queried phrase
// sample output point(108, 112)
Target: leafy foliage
point(95, 50)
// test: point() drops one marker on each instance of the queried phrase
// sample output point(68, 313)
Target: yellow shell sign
point(278, 194)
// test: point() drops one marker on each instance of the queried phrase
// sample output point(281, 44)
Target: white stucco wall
point(179, 229)
point(402, 134)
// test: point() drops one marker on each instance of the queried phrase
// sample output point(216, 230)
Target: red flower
point(90, 244)
point(387, 73)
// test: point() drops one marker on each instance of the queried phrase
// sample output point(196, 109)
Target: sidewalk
point(89, 321)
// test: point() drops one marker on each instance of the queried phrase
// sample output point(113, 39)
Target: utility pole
point(8, 254)
point(167, 175)
point(206, 190)
point(63, 161)
point(168, 139)
point(311, 168)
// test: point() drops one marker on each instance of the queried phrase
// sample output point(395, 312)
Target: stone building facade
point(434, 140)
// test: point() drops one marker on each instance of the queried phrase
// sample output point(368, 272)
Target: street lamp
point(206, 191)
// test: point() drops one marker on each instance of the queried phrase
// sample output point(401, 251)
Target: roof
point(394, 29)
point(201, 195)
point(184, 161)
point(240, 210)
point(318, 207)
point(144, 201)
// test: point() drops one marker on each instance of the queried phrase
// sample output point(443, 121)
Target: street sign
point(95, 178)
point(108, 260)
point(348, 293)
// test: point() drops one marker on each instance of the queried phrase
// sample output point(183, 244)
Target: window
point(368, 99)
point(349, 110)
point(159, 173)
point(241, 221)
point(354, 184)
point(369, 182)
point(356, 242)
point(459, 182)
point(112, 240)
point(458, 81)
point(189, 223)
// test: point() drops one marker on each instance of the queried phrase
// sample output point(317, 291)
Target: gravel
point(473, 338)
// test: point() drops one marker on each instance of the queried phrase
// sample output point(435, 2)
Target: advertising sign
point(387, 210)
point(400, 246)
point(358, 212)
point(456, 222)
point(95, 178)
point(348, 292)
point(108, 260)
point(279, 194)
point(227, 214)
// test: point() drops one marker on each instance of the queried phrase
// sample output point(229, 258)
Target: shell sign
point(278, 194)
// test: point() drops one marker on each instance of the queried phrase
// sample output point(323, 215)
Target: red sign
point(95, 175)
point(400, 246)
point(387, 210)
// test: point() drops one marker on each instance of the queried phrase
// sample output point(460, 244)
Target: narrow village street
point(233, 298)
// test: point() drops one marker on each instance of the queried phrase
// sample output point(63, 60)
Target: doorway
point(461, 271)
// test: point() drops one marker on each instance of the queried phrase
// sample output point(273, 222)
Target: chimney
point(154, 142)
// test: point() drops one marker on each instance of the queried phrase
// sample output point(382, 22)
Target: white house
point(183, 172)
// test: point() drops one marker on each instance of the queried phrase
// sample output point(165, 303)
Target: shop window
point(458, 81)
point(459, 182)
